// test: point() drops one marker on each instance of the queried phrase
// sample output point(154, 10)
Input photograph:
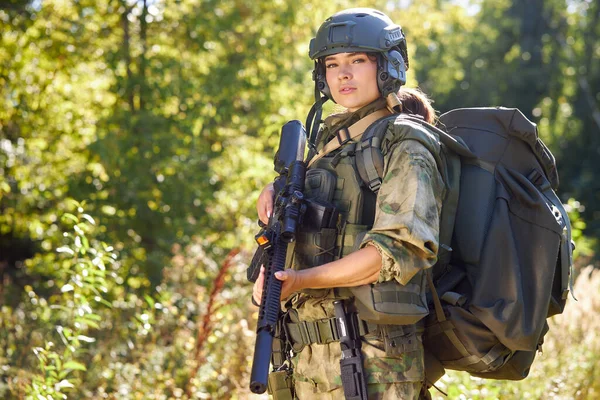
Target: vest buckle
point(343, 136)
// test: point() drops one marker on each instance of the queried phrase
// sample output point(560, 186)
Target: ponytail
point(415, 102)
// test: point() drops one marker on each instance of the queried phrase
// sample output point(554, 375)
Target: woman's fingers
point(258, 286)
point(264, 205)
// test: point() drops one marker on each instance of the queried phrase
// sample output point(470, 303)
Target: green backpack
point(505, 258)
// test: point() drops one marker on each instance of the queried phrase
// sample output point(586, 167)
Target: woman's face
point(352, 79)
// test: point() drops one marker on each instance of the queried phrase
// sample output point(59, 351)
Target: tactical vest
point(340, 210)
point(341, 192)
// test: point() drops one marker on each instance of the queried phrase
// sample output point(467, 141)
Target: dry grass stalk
point(205, 324)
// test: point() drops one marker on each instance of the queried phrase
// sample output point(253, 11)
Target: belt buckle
point(335, 332)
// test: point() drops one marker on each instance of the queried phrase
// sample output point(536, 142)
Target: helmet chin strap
point(313, 122)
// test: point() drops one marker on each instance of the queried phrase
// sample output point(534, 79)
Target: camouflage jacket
point(405, 232)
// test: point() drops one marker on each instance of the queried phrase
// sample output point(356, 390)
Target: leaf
point(97, 261)
point(65, 249)
point(79, 231)
point(63, 384)
point(86, 339)
point(106, 303)
point(94, 317)
point(90, 280)
point(88, 322)
point(71, 217)
point(88, 218)
point(109, 210)
point(74, 365)
point(67, 288)
point(73, 203)
point(150, 300)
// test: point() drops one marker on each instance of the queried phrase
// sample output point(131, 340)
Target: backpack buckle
point(343, 136)
point(375, 184)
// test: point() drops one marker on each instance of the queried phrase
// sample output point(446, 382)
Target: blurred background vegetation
point(135, 136)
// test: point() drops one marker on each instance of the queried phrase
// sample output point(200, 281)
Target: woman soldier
point(387, 230)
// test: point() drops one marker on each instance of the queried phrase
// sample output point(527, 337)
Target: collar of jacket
point(346, 119)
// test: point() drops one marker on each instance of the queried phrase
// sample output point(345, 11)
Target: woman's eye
point(332, 65)
point(358, 60)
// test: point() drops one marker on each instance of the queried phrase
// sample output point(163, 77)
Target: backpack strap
point(566, 248)
point(344, 135)
point(370, 165)
point(453, 149)
point(369, 160)
point(446, 327)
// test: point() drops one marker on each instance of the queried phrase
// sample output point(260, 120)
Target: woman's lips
point(347, 90)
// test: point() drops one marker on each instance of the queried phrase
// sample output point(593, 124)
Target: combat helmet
point(362, 30)
point(358, 30)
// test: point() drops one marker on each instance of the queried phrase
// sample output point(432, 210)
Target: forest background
point(135, 136)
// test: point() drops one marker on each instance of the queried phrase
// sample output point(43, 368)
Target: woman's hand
point(258, 286)
point(264, 205)
point(290, 284)
point(358, 268)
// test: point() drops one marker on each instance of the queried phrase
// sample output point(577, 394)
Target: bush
point(84, 331)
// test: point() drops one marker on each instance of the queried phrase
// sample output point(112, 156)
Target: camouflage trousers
point(397, 376)
point(383, 391)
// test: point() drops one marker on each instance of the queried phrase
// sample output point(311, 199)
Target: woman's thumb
point(282, 276)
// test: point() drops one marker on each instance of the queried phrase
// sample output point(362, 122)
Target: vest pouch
point(316, 237)
point(280, 386)
point(392, 303)
point(315, 242)
point(319, 185)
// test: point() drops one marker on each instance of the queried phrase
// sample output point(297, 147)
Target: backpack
point(505, 259)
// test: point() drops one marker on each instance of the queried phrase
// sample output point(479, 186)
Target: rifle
point(273, 240)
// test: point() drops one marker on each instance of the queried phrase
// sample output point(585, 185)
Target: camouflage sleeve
point(406, 226)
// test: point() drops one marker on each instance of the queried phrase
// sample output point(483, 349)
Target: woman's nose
point(345, 72)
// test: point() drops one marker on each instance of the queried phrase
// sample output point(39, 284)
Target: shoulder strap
point(346, 134)
point(369, 159)
point(369, 163)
